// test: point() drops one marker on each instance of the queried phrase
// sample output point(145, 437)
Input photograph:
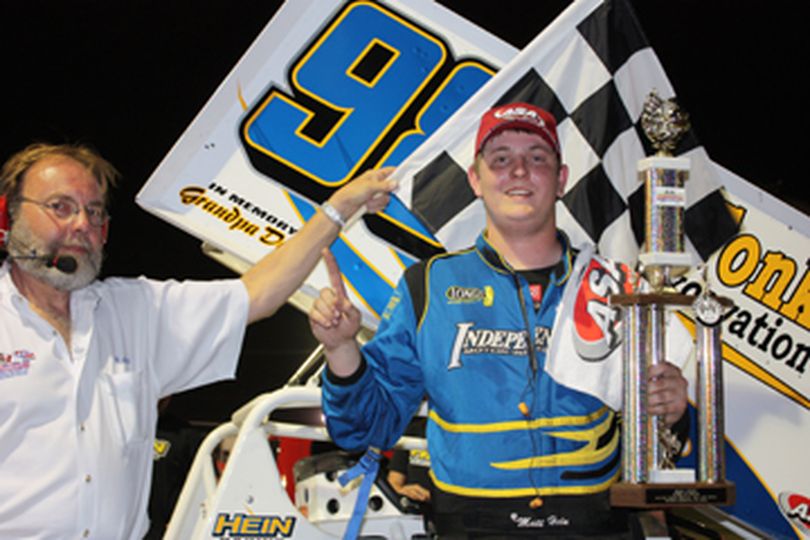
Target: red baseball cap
point(522, 116)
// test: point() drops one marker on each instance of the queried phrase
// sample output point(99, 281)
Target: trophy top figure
point(664, 123)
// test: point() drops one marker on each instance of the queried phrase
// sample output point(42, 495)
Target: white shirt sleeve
point(201, 331)
point(190, 332)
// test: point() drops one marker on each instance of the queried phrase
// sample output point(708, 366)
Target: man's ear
point(562, 180)
point(474, 181)
point(105, 230)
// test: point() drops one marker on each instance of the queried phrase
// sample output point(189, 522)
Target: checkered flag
point(592, 68)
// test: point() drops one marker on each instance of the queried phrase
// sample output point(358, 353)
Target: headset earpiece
point(4, 220)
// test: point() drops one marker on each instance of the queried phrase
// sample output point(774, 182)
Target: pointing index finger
point(335, 278)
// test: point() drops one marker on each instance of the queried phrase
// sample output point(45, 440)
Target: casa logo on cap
point(521, 114)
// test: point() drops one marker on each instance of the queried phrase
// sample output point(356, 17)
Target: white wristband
point(333, 215)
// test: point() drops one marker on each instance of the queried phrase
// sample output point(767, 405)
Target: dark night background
point(128, 76)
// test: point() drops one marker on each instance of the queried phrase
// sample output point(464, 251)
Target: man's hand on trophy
point(667, 395)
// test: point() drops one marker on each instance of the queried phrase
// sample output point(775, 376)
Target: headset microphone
point(65, 264)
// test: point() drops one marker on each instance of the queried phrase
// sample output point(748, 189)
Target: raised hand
point(333, 318)
point(372, 189)
point(272, 280)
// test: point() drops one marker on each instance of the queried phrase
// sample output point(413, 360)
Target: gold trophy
point(649, 479)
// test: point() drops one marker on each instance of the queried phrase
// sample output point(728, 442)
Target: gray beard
point(87, 268)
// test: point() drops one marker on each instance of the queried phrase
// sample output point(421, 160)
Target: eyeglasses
point(65, 208)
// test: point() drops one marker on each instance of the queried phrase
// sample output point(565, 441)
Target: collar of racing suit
point(491, 255)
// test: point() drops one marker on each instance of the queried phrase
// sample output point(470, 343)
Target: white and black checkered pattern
point(592, 68)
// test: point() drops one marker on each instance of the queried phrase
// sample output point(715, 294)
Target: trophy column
point(711, 450)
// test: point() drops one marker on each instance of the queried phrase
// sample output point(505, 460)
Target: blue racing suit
point(455, 331)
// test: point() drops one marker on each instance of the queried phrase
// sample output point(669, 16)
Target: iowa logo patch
point(469, 295)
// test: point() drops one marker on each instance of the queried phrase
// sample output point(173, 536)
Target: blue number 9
point(352, 87)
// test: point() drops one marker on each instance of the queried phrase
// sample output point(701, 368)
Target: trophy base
point(672, 495)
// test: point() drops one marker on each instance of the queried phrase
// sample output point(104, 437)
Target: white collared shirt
point(76, 426)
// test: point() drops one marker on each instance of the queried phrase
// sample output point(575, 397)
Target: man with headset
point(83, 362)
point(514, 452)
